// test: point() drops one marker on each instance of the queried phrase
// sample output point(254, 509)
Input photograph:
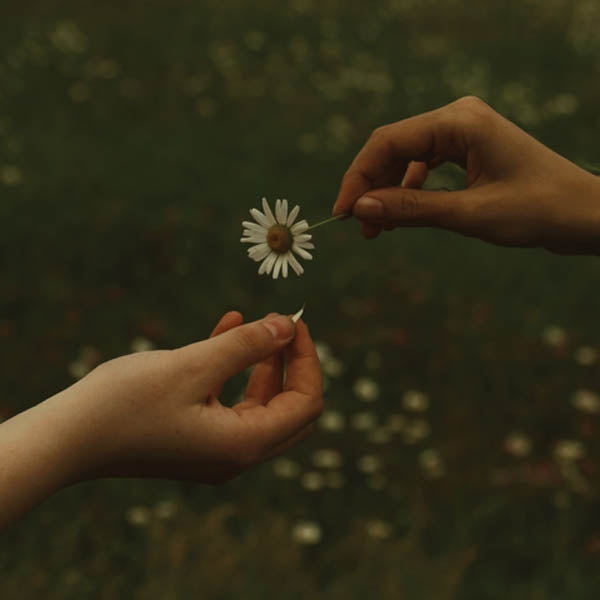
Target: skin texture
point(518, 192)
point(157, 414)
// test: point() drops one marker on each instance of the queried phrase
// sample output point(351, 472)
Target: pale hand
point(157, 414)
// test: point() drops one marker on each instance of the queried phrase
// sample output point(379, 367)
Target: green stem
point(336, 218)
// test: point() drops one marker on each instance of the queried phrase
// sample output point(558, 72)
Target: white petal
point(255, 234)
point(292, 216)
point(301, 252)
point(278, 211)
point(299, 227)
point(297, 316)
point(253, 239)
point(254, 226)
point(277, 266)
point(262, 231)
point(306, 245)
point(256, 248)
point(284, 210)
point(267, 264)
point(261, 269)
point(284, 265)
point(267, 211)
point(303, 237)
point(295, 264)
point(257, 253)
point(260, 218)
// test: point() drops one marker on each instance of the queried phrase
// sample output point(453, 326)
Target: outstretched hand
point(518, 192)
point(158, 414)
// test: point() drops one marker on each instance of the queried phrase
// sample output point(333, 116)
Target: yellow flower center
point(279, 239)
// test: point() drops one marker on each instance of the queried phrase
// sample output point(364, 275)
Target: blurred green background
point(458, 456)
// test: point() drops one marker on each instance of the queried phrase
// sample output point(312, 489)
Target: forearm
point(597, 199)
point(41, 451)
point(588, 197)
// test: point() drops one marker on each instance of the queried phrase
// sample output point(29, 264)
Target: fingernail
point(338, 211)
point(368, 208)
point(280, 327)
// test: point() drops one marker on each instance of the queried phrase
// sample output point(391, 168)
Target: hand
point(518, 191)
point(157, 414)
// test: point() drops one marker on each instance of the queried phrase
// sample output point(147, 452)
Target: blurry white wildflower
point(366, 389)
point(307, 532)
point(141, 344)
point(586, 401)
point(286, 468)
point(431, 462)
point(378, 529)
point(554, 335)
point(323, 350)
point(313, 481)
point(517, 444)
point(165, 509)
point(327, 458)
point(78, 369)
point(139, 516)
point(415, 431)
point(363, 421)
point(381, 435)
point(88, 358)
point(255, 39)
point(332, 366)
point(67, 37)
point(334, 479)
point(396, 423)
point(568, 450)
point(415, 401)
point(586, 356)
point(11, 175)
point(377, 481)
point(332, 420)
point(369, 463)
point(276, 238)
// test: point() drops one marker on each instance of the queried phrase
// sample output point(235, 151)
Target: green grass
point(135, 136)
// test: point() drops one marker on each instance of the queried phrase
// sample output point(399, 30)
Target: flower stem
point(336, 218)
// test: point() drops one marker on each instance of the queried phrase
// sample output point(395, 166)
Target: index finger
point(429, 137)
point(300, 402)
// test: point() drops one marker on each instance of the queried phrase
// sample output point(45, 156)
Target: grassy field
point(459, 453)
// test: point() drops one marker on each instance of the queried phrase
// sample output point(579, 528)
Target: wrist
point(595, 218)
point(42, 452)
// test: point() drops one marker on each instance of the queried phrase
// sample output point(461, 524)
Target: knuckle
point(410, 207)
point(472, 108)
point(471, 102)
point(249, 337)
point(379, 133)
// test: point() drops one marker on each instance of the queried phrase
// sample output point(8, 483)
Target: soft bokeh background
point(459, 455)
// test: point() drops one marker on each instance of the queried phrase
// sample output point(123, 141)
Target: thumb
point(237, 349)
point(397, 206)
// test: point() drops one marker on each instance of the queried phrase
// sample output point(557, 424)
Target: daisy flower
point(276, 239)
